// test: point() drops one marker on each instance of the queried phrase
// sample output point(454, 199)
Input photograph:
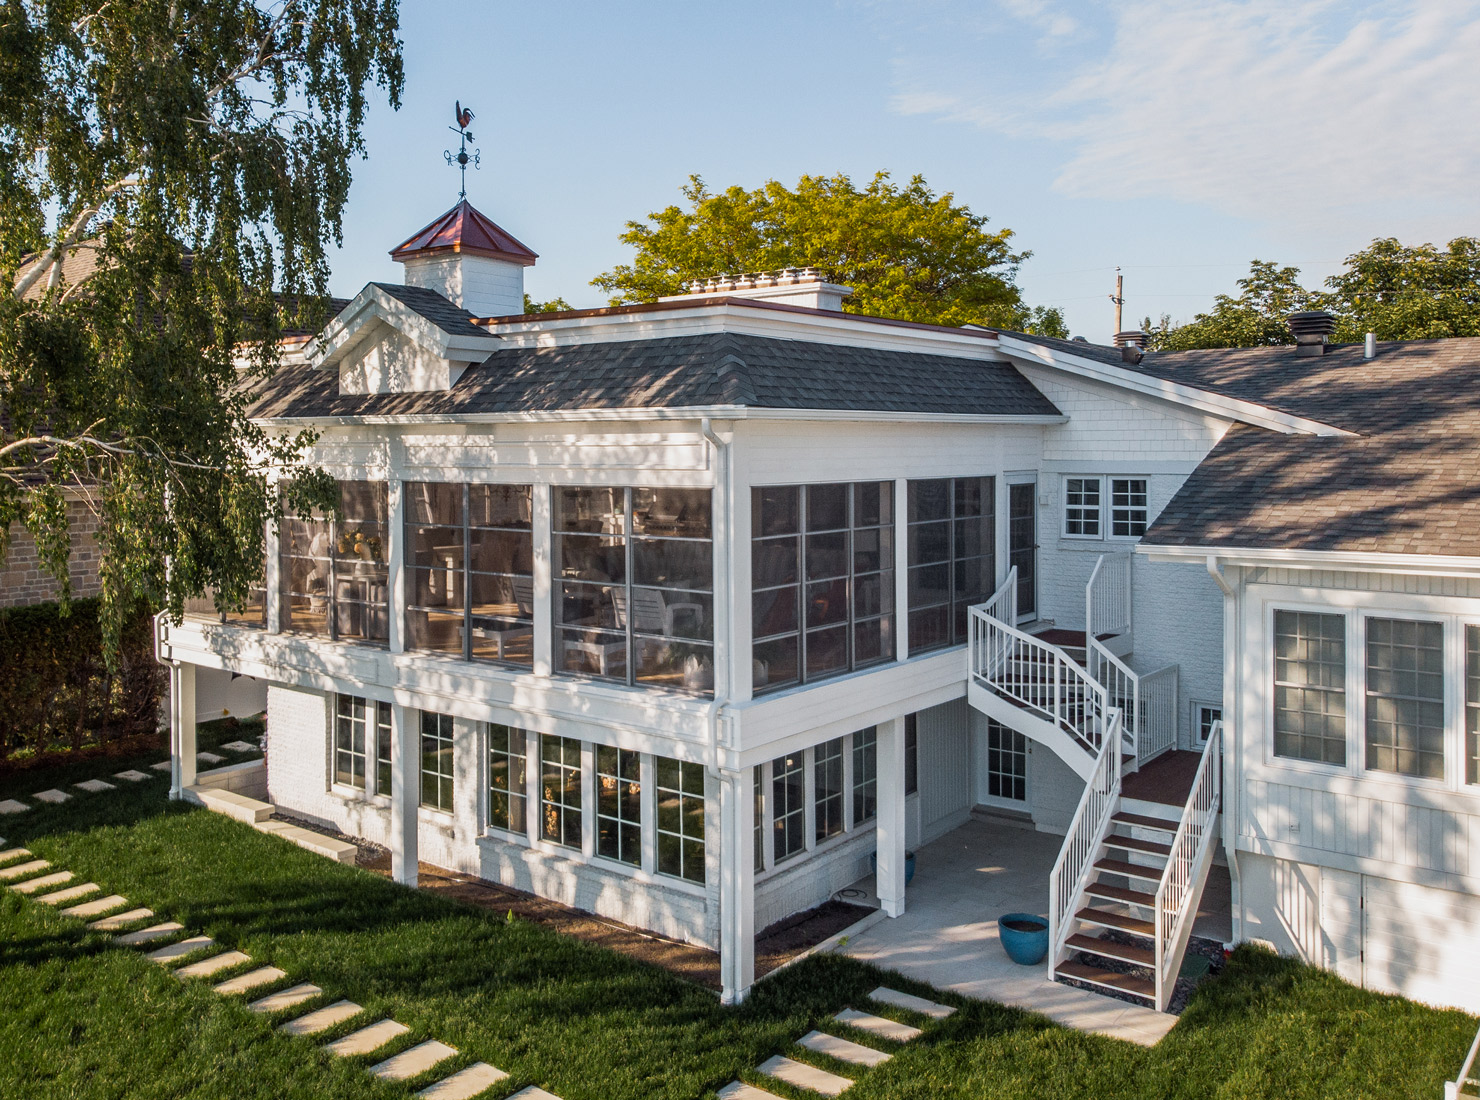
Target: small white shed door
point(1421, 942)
point(1341, 923)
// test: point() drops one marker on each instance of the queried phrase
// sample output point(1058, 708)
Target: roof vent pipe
point(1369, 350)
point(1311, 328)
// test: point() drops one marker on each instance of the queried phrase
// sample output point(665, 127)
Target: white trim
point(693, 412)
point(1352, 560)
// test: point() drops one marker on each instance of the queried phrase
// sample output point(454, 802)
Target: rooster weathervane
point(462, 156)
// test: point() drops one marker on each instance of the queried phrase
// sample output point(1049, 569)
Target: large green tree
point(906, 251)
point(172, 173)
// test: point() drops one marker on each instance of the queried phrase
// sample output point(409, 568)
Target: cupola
point(468, 259)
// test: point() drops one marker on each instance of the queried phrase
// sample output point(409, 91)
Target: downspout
point(1232, 792)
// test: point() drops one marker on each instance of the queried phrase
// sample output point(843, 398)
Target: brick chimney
point(464, 256)
point(1311, 328)
point(796, 286)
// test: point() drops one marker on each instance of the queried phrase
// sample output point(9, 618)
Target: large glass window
point(911, 754)
point(619, 804)
point(1082, 507)
point(560, 790)
point(788, 806)
point(1472, 704)
point(1405, 697)
point(1310, 686)
point(362, 743)
point(634, 591)
point(469, 575)
point(952, 556)
point(760, 817)
point(334, 571)
point(1128, 507)
point(680, 797)
point(865, 775)
point(436, 761)
point(507, 761)
point(827, 817)
point(822, 581)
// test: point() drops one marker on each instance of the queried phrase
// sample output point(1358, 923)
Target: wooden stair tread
point(1140, 956)
point(1130, 870)
point(1120, 893)
point(1111, 979)
point(1144, 822)
point(1117, 920)
point(1150, 847)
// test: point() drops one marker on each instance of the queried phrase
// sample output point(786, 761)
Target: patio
point(948, 934)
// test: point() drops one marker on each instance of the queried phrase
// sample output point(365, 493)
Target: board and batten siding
point(945, 768)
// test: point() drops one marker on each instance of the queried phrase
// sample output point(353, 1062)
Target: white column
point(182, 728)
point(736, 885)
point(889, 830)
point(542, 546)
point(272, 579)
point(396, 565)
point(405, 793)
point(901, 569)
point(649, 813)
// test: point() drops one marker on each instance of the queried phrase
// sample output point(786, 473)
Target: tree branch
point(72, 237)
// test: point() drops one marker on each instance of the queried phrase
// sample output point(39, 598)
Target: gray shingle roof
point(435, 308)
point(684, 372)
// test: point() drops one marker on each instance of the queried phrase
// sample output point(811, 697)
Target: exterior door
point(1022, 545)
point(1007, 766)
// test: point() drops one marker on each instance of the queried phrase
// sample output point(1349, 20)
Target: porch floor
point(948, 934)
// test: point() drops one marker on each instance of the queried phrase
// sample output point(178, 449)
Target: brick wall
point(22, 579)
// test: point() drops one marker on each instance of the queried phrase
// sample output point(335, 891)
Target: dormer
point(470, 261)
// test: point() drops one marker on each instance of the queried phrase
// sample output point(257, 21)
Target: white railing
point(1191, 847)
point(1156, 712)
point(1455, 1089)
point(1003, 604)
point(1122, 688)
point(1107, 596)
point(1075, 865)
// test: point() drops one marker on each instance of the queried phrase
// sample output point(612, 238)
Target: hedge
point(56, 691)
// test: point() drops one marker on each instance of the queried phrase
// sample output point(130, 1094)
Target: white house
point(685, 612)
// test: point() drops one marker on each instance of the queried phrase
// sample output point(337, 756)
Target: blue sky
point(1178, 140)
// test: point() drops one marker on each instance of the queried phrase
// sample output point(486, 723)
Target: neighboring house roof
point(1408, 482)
point(683, 372)
point(464, 229)
point(79, 263)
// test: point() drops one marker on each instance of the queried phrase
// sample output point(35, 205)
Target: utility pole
point(1119, 299)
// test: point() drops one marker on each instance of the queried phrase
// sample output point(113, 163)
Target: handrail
point(1176, 891)
point(1002, 604)
point(1156, 711)
point(1107, 596)
point(1122, 688)
point(1082, 843)
point(1453, 1090)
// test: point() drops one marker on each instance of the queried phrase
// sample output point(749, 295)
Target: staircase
point(1464, 1085)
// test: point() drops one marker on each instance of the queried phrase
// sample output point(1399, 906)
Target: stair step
point(1139, 956)
point(1110, 979)
point(1150, 847)
point(1129, 870)
point(1142, 821)
point(1120, 893)
point(1125, 923)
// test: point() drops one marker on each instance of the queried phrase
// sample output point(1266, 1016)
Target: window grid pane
point(952, 557)
point(334, 573)
point(1405, 697)
point(680, 814)
point(507, 764)
point(436, 760)
point(349, 741)
point(865, 775)
point(383, 748)
point(760, 818)
point(1472, 704)
point(560, 790)
point(789, 810)
point(1310, 686)
point(911, 754)
point(619, 804)
point(1082, 506)
point(828, 785)
point(1128, 507)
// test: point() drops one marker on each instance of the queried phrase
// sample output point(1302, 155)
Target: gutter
point(1232, 769)
point(723, 412)
point(1352, 560)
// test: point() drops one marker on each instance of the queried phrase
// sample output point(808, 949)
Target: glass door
point(1022, 545)
point(1007, 766)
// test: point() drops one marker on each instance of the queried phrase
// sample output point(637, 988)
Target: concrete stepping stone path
point(11, 854)
point(11, 806)
point(739, 1090)
point(162, 766)
point(533, 1093)
point(120, 920)
point(241, 746)
point(322, 1019)
point(803, 1076)
point(286, 998)
point(95, 786)
point(97, 907)
point(178, 950)
point(214, 965)
point(410, 1063)
point(17, 870)
point(209, 758)
point(885, 995)
point(367, 1039)
point(71, 893)
point(53, 796)
point(464, 1083)
point(131, 776)
point(149, 935)
point(45, 882)
point(842, 1049)
point(263, 975)
point(878, 1025)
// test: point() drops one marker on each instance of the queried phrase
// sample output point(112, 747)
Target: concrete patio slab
point(321, 1019)
point(842, 1049)
point(367, 1039)
point(214, 965)
point(465, 1083)
point(878, 1025)
point(71, 893)
point(45, 882)
point(131, 776)
point(166, 955)
point(51, 795)
point(11, 806)
point(739, 1090)
point(242, 983)
point(162, 766)
point(286, 998)
point(16, 870)
point(409, 1063)
point(121, 920)
point(96, 907)
point(12, 854)
point(908, 1001)
point(149, 935)
point(241, 746)
point(803, 1076)
point(95, 786)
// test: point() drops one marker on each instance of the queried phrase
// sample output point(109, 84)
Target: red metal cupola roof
point(464, 229)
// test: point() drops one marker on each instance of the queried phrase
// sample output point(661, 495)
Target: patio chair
point(651, 613)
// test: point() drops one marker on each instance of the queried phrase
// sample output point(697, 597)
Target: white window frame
point(371, 791)
point(1099, 509)
point(1195, 719)
point(1108, 496)
point(1105, 511)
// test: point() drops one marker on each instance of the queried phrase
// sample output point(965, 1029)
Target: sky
point(1175, 139)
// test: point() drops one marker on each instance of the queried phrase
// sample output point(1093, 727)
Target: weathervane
point(462, 156)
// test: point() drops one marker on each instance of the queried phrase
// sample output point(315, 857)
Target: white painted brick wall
point(1179, 621)
point(810, 881)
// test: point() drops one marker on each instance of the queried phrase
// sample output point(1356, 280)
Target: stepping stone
point(250, 980)
point(16, 870)
point(739, 1090)
point(241, 746)
point(885, 995)
point(120, 920)
point(13, 853)
point(533, 1093)
point(877, 1025)
point(162, 766)
point(71, 893)
point(464, 1083)
point(319, 1020)
point(45, 882)
point(409, 1063)
point(11, 806)
point(53, 796)
point(804, 1076)
point(131, 776)
point(180, 949)
point(842, 1049)
point(285, 998)
point(95, 908)
point(94, 786)
point(366, 1039)
point(148, 935)
point(209, 758)
point(214, 965)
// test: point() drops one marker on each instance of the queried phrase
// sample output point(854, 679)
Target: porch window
point(1082, 507)
point(911, 754)
point(469, 576)
point(865, 775)
point(634, 590)
point(1207, 717)
point(1472, 704)
point(788, 806)
point(1405, 697)
point(560, 790)
point(760, 817)
point(822, 581)
point(507, 764)
point(334, 572)
point(952, 557)
point(252, 613)
point(436, 761)
point(361, 741)
point(1310, 686)
point(619, 804)
point(680, 814)
point(1128, 507)
point(828, 786)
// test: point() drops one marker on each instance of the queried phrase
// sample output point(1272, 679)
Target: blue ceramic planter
point(909, 865)
point(1026, 948)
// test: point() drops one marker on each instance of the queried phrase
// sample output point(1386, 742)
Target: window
point(560, 790)
point(1310, 686)
point(334, 572)
point(1082, 507)
point(911, 754)
point(952, 557)
point(619, 804)
point(1127, 507)
point(634, 586)
point(1206, 717)
point(788, 806)
point(760, 818)
point(507, 763)
point(680, 798)
point(383, 748)
point(827, 814)
point(469, 575)
point(1472, 704)
point(436, 761)
point(253, 612)
point(1405, 697)
point(822, 581)
point(362, 741)
point(1007, 762)
point(865, 775)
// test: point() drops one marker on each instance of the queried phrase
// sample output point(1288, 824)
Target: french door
point(1022, 545)
point(1007, 766)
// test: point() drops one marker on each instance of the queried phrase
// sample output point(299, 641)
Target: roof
point(464, 229)
point(1408, 482)
point(683, 372)
point(439, 310)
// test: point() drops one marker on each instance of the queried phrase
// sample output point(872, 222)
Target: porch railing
point(1122, 689)
point(1107, 596)
point(1464, 1084)
point(1091, 824)
point(1003, 603)
point(1191, 848)
point(1156, 712)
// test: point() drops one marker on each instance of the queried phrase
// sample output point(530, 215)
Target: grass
point(80, 1018)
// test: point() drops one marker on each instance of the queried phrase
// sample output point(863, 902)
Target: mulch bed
point(52, 758)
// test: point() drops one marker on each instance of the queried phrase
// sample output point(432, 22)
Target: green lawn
point(80, 1018)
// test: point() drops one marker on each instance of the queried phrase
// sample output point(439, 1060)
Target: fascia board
point(1360, 561)
point(714, 412)
point(358, 321)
